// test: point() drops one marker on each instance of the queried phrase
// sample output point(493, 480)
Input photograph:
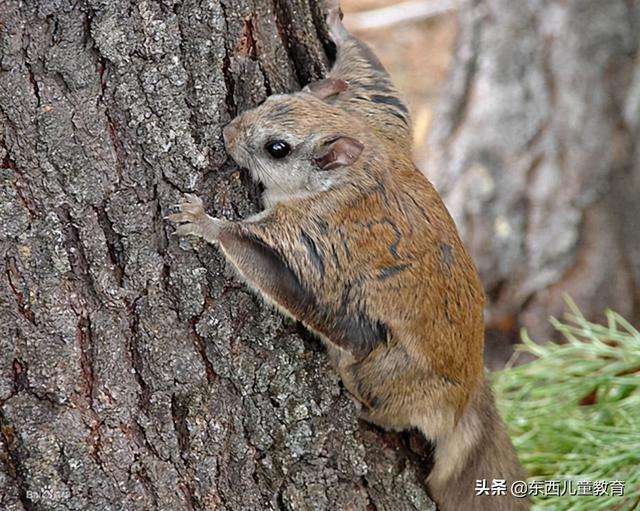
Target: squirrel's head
point(295, 144)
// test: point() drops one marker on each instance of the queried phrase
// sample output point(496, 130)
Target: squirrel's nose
point(230, 133)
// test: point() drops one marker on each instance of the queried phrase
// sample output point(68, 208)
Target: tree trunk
point(536, 153)
point(136, 372)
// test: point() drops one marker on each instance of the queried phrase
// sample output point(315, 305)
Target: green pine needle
point(574, 412)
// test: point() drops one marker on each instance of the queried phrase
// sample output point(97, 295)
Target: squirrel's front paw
point(194, 221)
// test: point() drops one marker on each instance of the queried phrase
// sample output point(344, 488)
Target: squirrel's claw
point(191, 214)
point(194, 221)
point(178, 218)
point(189, 211)
point(187, 229)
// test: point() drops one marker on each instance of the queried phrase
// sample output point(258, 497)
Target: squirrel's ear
point(337, 152)
point(323, 89)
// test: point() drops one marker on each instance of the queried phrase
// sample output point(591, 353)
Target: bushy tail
point(359, 82)
point(478, 449)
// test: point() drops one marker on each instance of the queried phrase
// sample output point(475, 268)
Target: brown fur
point(362, 250)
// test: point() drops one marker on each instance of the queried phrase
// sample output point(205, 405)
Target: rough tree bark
point(535, 150)
point(135, 371)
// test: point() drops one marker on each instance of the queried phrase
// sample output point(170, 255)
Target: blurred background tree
point(534, 147)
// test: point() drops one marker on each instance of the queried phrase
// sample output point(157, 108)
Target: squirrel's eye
point(278, 148)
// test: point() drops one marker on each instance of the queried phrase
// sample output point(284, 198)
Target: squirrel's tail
point(475, 465)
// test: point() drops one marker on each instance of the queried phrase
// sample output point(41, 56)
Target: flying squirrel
point(355, 243)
